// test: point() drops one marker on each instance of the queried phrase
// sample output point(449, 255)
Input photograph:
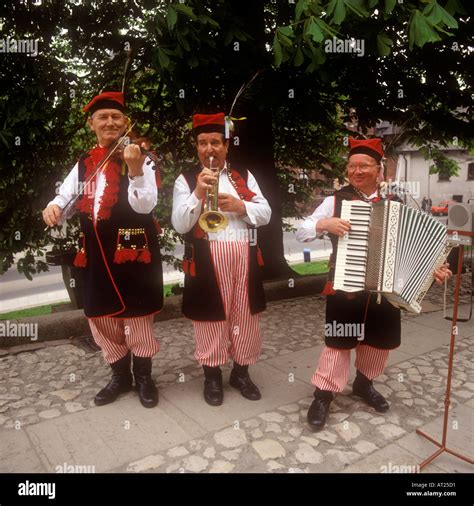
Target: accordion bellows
point(391, 249)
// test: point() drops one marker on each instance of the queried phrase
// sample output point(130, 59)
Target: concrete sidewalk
point(48, 421)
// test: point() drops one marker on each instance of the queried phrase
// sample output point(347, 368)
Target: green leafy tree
point(194, 56)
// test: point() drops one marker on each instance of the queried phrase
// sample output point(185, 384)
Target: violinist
point(118, 250)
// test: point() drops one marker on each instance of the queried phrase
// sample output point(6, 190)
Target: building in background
point(414, 169)
point(409, 166)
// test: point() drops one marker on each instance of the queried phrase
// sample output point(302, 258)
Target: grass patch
point(307, 268)
point(167, 289)
point(32, 311)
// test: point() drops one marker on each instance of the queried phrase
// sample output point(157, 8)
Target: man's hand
point(442, 273)
point(206, 178)
point(334, 226)
point(231, 204)
point(52, 215)
point(134, 159)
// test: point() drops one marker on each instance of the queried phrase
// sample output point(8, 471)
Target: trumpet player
point(218, 209)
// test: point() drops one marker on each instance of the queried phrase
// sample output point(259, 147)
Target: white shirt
point(307, 230)
point(142, 190)
point(187, 209)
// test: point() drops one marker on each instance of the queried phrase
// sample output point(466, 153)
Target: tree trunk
point(255, 148)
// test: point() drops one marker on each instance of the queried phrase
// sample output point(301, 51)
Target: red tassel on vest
point(125, 255)
point(144, 256)
point(328, 289)
point(81, 259)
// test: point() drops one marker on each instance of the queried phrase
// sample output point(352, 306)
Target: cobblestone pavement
point(279, 441)
point(58, 380)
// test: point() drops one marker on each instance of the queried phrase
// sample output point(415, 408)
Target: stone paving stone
point(146, 464)
point(390, 460)
point(275, 387)
point(107, 436)
point(300, 364)
point(459, 437)
point(445, 462)
point(269, 449)
point(18, 453)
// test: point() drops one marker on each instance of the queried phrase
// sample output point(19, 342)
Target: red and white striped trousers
point(238, 336)
point(118, 336)
point(333, 366)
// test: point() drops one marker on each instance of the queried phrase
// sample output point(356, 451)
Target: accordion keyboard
point(353, 248)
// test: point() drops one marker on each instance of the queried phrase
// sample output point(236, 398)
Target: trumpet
point(212, 220)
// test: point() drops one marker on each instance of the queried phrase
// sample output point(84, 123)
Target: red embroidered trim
point(112, 184)
point(186, 266)
point(240, 185)
point(131, 254)
point(80, 259)
point(158, 178)
point(189, 265)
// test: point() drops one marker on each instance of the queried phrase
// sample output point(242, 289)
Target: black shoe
point(147, 391)
point(240, 379)
point(363, 387)
point(120, 383)
point(213, 391)
point(319, 409)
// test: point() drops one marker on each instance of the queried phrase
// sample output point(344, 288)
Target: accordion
point(391, 249)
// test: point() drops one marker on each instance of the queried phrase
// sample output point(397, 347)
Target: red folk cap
point(106, 100)
point(205, 123)
point(371, 147)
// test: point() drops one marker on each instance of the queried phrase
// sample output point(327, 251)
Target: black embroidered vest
point(202, 299)
point(115, 286)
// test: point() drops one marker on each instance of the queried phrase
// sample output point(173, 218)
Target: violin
point(115, 151)
point(134, 138)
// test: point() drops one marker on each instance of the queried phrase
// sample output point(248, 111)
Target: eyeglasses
point(364, 167)
point(105, 117)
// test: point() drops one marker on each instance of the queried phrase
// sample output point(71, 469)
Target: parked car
point(441, 209)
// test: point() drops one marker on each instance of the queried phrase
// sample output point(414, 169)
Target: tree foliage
point(194, 56)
